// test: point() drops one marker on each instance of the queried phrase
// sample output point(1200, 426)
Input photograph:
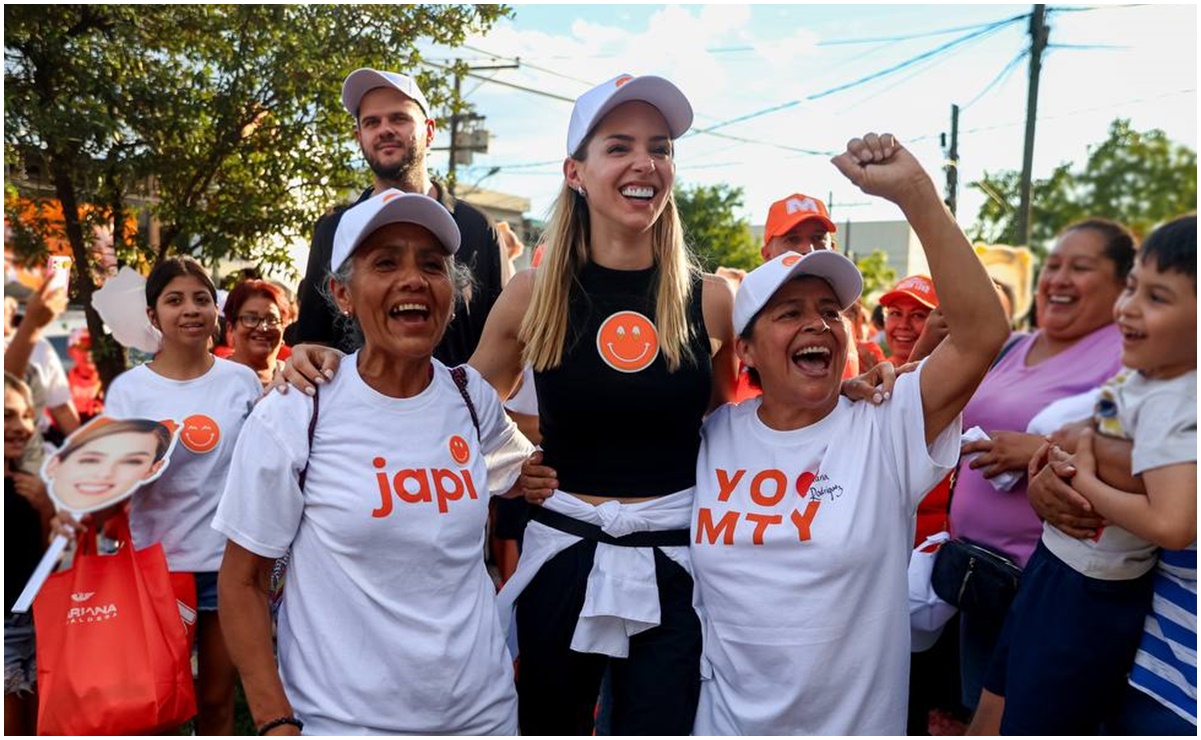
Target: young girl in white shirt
point(207, 399)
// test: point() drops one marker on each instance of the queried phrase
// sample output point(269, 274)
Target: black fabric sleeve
point(316, 320)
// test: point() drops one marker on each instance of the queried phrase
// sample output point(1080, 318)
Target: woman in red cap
point(907, 307)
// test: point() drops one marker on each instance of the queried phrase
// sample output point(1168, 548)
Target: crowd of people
point(731, 472)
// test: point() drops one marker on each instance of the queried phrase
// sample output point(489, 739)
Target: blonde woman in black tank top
point(631, 346)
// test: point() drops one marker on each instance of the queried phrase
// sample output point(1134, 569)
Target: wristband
point(289, 720)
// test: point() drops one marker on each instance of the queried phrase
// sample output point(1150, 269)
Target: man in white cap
point(394, 130)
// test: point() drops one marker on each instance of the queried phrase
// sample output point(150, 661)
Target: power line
point(920, 57)
point(991, 28)
point(1004, 73)
point(530, 90)
point(1066, 114)
point(919, 69)
point(927, 34)
point(522, 61)
point(519, 60)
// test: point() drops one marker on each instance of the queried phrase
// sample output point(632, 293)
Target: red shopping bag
point(113, 649)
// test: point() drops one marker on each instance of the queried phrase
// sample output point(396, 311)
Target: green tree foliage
point(877, 275)
point(1138, 178)
point(717, 236)
point(224, 121)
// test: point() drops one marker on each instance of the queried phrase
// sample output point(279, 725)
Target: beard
point(407, 170)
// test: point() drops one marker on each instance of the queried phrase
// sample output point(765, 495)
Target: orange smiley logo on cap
point(627, 342)
point(200, 433)
point(622, 80)
point(790, 260)
point(459, 451)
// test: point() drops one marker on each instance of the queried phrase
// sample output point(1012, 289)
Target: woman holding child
point(1076, 347)
point(1085, 610)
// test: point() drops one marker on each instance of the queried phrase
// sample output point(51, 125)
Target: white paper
point(1003, 482)
point(40, 574)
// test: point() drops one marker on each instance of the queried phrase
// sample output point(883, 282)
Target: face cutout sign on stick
point(103, 462)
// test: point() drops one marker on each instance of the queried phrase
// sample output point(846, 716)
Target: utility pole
point(454, 130)
point(952, 165)
point(1038, 42)
point(456, 119)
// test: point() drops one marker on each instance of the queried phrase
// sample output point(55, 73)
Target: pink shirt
point(1011, 394)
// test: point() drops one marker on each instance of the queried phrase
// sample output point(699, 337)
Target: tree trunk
point(108, 355)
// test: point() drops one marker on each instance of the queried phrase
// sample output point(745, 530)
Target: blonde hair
point(544, 327)
point(15, 384)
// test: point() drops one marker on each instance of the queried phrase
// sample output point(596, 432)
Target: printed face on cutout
point(103, 471)
point(627, 342)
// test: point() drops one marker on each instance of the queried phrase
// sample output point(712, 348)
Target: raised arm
point(718, 305)
point(43, 306)
point(976, 323)
point(498, 355)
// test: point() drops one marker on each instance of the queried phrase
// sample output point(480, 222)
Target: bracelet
point(289, 720)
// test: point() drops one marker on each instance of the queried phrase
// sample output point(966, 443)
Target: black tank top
point(614, 421)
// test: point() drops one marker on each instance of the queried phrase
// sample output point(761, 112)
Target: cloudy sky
point(786, 85)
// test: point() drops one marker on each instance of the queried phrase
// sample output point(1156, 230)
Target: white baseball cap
point(359, 82)
point(592, 106)
point(392, 207)
point(761, 284)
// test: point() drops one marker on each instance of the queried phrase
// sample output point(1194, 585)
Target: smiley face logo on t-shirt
point(200, 433)
point(627, 342)
point(459, 451)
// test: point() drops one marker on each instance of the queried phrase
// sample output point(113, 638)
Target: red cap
point(797, 208)
point(918, 287)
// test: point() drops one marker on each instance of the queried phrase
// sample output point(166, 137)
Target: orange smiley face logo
point(459, 451)
point(627, 342)
point(200, 433)
point(622, 80)
point(790, 260)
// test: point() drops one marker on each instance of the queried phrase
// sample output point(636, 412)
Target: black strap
point(1009, 344)
point(593, 533)
point(459, 374)
point(312, 430)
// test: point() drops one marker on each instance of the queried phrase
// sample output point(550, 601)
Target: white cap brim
point(595, 104)
point(392, 207)
point(761, 284)
point(361, 81)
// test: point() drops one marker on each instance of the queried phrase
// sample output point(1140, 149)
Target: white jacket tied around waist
point(622, 597)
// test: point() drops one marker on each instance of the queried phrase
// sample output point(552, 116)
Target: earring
point(581, 191)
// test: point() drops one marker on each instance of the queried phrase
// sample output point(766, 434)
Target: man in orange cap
point(906, 308)
point(799, 223)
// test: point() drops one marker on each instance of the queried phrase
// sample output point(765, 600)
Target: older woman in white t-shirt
point(804, 513)
point(378, 487)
